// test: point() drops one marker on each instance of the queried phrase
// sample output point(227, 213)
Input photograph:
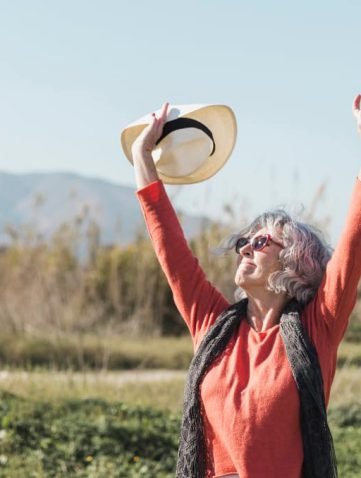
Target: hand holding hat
point(188, 143)
point(147, 139)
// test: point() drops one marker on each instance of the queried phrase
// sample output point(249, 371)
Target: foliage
point(346, 429)
point(60, 288)
point(69, 302)
point(95, 438)
point(353, 333)
point(88, 438)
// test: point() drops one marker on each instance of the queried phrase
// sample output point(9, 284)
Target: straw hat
point(196, 142)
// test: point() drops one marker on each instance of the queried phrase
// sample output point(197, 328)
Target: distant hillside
point(45, 201)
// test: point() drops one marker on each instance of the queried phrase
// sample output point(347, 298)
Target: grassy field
point(87, 389)
point(159, 389)
point(123, 425)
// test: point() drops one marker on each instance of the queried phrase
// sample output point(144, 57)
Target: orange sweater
point(249, 397)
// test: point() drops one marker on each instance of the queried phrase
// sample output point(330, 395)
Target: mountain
point(45, 201)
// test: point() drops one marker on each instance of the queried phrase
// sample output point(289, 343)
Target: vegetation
point(95, 438)
point(71, 303)
point(153, 388)
point(95, 352)
point(72, 285)
point(87, 438)
point(104, 352)
point(161, 390)
point(81, 324)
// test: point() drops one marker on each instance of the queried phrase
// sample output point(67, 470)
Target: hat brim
point(220, 120)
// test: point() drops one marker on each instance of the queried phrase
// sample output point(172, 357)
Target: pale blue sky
point(74, 73)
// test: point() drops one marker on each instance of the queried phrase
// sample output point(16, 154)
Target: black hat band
point(182, 123)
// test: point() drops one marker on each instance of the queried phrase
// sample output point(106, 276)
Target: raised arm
point(337, 294)
point(198, 301)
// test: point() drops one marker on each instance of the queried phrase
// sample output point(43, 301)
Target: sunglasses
point(258, 243)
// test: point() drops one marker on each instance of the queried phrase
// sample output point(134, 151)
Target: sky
point(74, 73)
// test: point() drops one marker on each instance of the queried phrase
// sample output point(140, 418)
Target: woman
point(258, 386)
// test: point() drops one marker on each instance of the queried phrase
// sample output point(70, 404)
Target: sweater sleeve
point(197, 300)
point(337, 293)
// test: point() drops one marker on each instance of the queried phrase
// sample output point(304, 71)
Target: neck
point(263, 312)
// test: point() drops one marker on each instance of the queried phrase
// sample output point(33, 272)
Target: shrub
point(83, 438)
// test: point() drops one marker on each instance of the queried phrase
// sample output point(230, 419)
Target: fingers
point(164, 112)
point(356, 109)
point(356, 105)
point(152, 132)
point(157, 122)
point(162, 117)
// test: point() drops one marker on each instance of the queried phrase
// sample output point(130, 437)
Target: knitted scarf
point(319, 454)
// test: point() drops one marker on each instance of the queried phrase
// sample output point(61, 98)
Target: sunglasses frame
point(268, 237)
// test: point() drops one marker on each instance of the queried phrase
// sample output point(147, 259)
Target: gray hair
point(304, 257)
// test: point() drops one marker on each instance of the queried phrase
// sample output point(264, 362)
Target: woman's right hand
point(144, 167)
point(147, 139)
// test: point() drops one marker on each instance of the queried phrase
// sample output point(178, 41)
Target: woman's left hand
point(356, 109)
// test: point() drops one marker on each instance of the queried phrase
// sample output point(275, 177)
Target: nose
point(246, 250)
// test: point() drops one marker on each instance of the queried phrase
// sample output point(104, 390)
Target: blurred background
point(88, 324)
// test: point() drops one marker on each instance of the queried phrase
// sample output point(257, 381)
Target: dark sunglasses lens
point(242, 241)
point(259, 242)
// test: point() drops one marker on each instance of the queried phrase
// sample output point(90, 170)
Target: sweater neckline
point(263, 333)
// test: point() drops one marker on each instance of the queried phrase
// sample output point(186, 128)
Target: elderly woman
point(259, 383)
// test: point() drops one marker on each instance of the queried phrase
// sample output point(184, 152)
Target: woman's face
point(254, 267)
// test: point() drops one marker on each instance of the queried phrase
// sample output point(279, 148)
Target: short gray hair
point(304, 257)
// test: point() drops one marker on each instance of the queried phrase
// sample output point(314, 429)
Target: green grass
point(349, 354)
point(158, 389)
point(94, 438)
point(70, 424)
point(346, 388)
point(85, 438)
point(345, 422)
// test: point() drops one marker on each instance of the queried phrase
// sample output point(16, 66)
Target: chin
point(241, 282)
point(241, 279)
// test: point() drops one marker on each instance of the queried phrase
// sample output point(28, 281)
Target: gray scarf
point(319, 454)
